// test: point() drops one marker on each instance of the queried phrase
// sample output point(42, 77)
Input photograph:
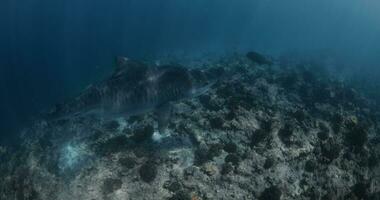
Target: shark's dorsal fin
point(121, 61)
point(129, 68)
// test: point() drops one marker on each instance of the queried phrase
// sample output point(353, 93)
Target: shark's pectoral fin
point(163, 114)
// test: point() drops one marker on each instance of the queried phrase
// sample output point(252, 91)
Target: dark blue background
point(51, 49)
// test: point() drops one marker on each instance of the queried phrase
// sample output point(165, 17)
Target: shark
point(135, 88)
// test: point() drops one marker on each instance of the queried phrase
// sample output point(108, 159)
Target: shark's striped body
point(135, 88)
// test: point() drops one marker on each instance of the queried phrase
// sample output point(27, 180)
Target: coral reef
point(238, 128)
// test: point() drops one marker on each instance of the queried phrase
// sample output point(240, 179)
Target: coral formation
point(257, 130)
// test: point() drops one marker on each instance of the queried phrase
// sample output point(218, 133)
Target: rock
point(209, 169)
point(128, 162)
point(216, 123)
point(230, 147)
point(110, 185)
point(299, 115)
point(360, 190)
point(191, 171)
point(143, 151)
point(357, 136)
point(269, 162)
point(34, 195)
point(285, 134)
point(330, 196)
point(208, 103)
point(231, 115)
point(373, 161)
point(266, 125)
point(330, 150)
point(375, 196)
point(227, 168)
point(271, 193)
point(181, 195)
point(236, 95)
point(208, 196)
point(148, 171)
point(226, 90)
point(259, 136)
point(173, 186)
point(214, 150)
point(245, 101)
point(201, 155)
point(311, 193)
point(336, 121)
point(351, 121)
point(204, 154)
point(234, 159)
point(143, 133)
point(258, 58)
point(253, 132)
point(310, 166)
point(323, 135)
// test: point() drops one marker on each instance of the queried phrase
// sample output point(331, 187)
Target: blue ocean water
point(189, 99)
point(51, 50)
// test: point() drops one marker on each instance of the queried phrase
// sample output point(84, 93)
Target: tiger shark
point(136, 88)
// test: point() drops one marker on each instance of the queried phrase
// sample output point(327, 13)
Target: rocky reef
point(242, 127)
